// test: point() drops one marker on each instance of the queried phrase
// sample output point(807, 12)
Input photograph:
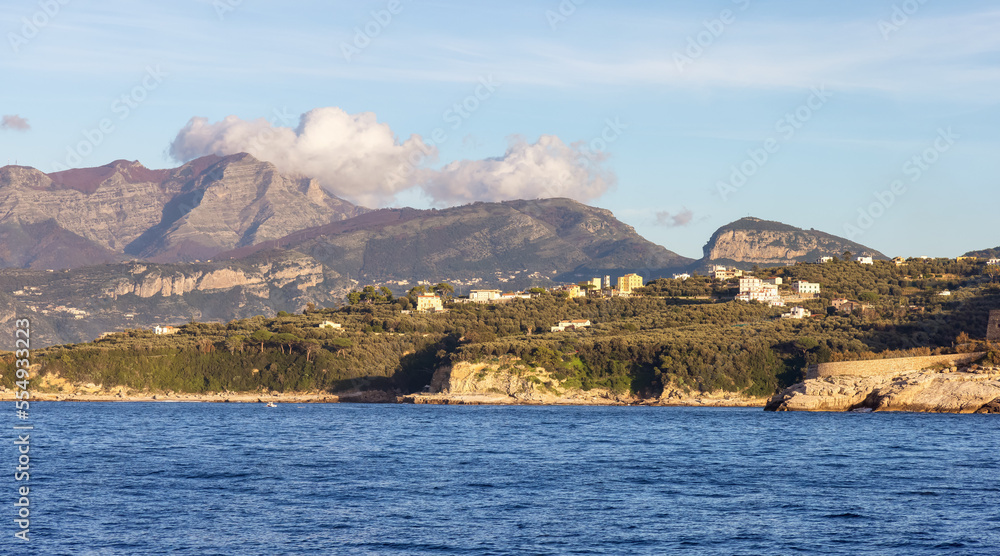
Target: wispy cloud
point(15, 123)
point(682, 218)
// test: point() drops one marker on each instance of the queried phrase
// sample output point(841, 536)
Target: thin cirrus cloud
point(357, 158)
point(14, 122)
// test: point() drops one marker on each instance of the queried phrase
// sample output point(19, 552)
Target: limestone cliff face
point(509, 381)
point(755, 241)
point(971, 390)
point(191, 212)
point(258, 280)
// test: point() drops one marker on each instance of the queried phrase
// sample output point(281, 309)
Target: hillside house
point(847, 306)
point(329, 324)
point(484, 296)
point(805, 288)
point(570, 325)
point(429, 302)
point(822, 260)
point(776, 281)
point(865, 260)
point(993, 262)
point(681, 277)
point(163, 330)
point(629, 282)
point(899, 261)
point(719, 272)
point(797, 313)
point(755, 289)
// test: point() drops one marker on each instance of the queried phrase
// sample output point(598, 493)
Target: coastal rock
point(947, 391)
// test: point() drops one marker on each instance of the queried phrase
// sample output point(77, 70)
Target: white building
point(483, 296)
point(164, 330)
point(797, 313)
point(429, 302)
point(822, 260)
point(570, 325)
point(754, 289)
point(329, 324)
point(681, 277)
point(805, 288)
point(776, 281)
point(993, 262)
point(865, 260)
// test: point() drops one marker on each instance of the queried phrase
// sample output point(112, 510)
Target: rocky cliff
point(973, 389)
point(751, 241)
point(125, 211)
point(78, 305)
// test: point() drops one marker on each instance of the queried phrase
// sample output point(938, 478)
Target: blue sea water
point(173, 478)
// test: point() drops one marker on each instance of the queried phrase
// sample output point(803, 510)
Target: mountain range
point(123, 211)
point(122, 246)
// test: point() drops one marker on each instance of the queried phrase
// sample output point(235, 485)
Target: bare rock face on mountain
point(124, 210)
point(750, 241)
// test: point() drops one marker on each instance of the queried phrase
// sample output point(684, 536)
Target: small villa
point(570, 325)
point(328, 324)
point(160, 330)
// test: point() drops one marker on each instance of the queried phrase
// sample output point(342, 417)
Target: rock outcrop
point(752, 241)
point(970, 390)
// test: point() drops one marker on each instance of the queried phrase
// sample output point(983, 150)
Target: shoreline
point(386, 398)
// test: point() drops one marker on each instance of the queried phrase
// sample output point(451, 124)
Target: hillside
point(124, 211)
point(752, 241)
point(652, 348)
point(514, 243)
point(985, 253)
point(78, 305)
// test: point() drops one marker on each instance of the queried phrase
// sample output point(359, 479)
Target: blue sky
point(897, 80)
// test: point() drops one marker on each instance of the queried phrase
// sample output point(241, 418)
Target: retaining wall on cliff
point(877, 367)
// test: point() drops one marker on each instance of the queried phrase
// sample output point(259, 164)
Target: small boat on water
point(271, 404)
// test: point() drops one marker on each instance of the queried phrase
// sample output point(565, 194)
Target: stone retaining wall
point(877, 367)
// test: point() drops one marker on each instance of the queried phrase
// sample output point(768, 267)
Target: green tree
point(262, 336)
point(235, 342)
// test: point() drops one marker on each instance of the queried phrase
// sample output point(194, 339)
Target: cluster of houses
point(626, 285)
point(766, 290)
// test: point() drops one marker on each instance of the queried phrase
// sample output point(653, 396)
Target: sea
point(245, 479)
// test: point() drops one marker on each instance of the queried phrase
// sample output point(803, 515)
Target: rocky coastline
point(970, 389)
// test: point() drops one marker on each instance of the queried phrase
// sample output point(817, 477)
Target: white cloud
point(547, 168)
point(352, 155)
point(359, 159)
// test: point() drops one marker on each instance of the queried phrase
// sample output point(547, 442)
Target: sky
point(875, 120)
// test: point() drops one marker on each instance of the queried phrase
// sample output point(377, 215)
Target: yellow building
point(429, 302)
point(629, 282)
